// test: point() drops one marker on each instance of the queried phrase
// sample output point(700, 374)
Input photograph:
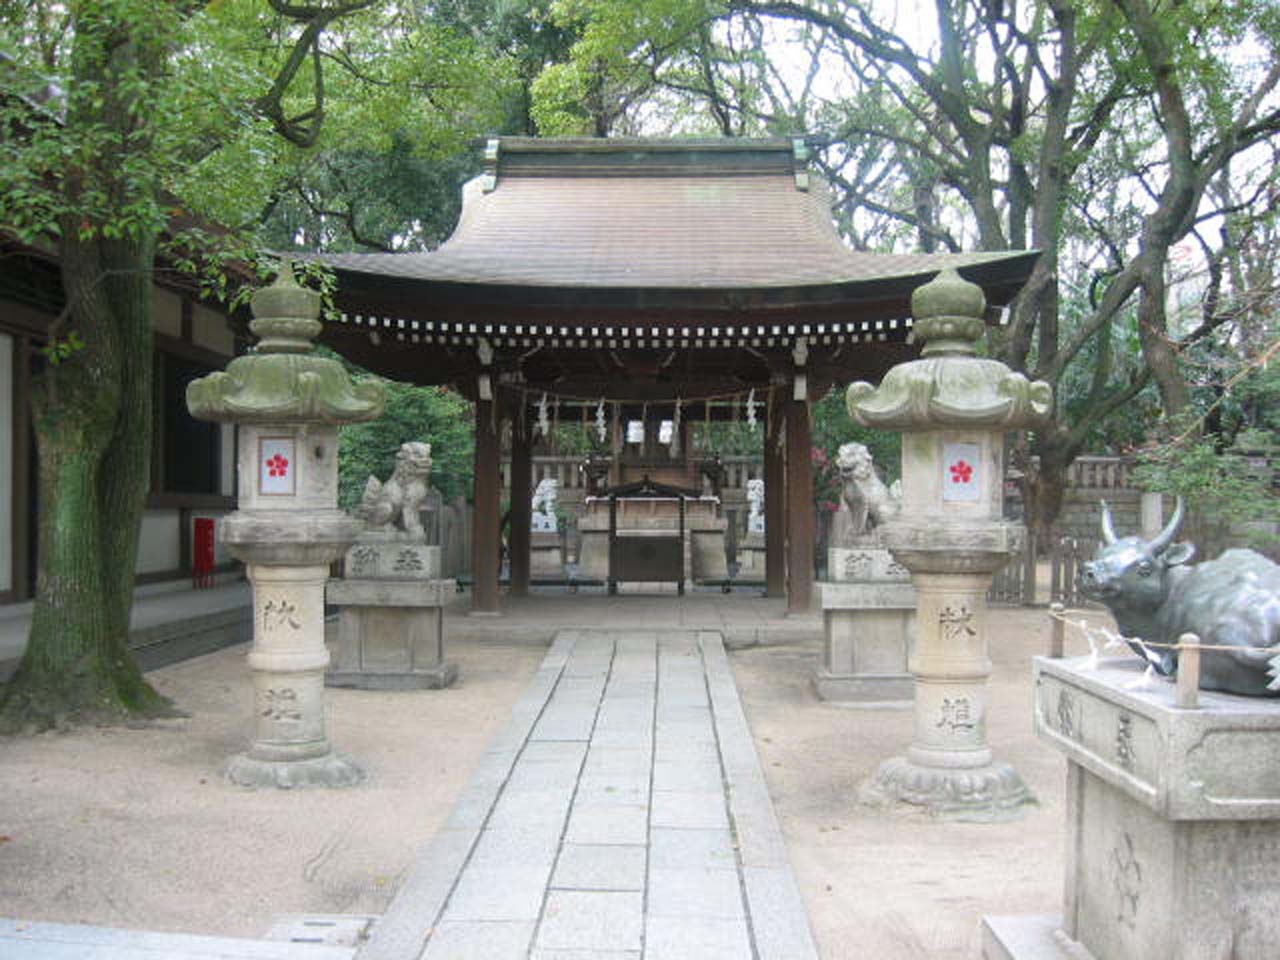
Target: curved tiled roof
point(663, 215)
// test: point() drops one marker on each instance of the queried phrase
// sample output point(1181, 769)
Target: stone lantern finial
point(948, 315)
point(286, 315)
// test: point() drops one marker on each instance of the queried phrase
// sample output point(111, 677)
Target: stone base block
point(893, 691)
point(435, 678)
point(868, 637)
point(981, 794)
point(1037, 937)
point(390, 593)
point(390, 635)
point(593, 554)
point(708, 556)
point(330, 770)
point(1173, 814)
point(545, 555)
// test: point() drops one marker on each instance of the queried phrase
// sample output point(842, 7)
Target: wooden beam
point(775, 512)
point(800, 510)
point(485, 519)
point(521, 505)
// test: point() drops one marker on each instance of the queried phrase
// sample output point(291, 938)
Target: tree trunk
point(93, 426)
point(1044, 479)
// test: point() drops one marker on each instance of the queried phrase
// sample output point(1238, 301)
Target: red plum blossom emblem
point(961, 472)
point(278, 466)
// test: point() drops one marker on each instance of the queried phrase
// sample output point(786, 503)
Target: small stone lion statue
point(755, 503)
point(396, 504)
point(545, 496)
point(864, 498)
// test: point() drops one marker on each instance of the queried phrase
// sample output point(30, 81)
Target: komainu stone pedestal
point(391, 628)
point(1173, 822)
point(546, 554)
point(391, 634)
point(706, 547)
point(868, 618)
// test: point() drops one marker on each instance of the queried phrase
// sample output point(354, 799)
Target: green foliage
point(396, 82)
point(729, 439)
point(1226, 491)
point(574, 439)
point(55, 351)
point(832, 426)
point(435, 415)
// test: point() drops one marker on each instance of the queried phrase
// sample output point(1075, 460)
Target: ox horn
point(1108, 530)
point(1165, 536)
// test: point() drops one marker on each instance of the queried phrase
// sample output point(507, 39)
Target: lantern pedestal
point(949, 769)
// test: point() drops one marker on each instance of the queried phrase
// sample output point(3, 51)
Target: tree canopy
point(131, 128)
point(1134, 146)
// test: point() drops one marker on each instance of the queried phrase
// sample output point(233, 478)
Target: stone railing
point(1100, 473)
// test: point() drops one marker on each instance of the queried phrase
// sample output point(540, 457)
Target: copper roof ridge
point(648, 144)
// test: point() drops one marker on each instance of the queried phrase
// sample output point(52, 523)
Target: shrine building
point(650, 280)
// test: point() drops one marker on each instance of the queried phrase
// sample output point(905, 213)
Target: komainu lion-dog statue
point(397, 504)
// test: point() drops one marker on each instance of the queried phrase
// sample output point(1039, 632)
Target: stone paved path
point(623, 814)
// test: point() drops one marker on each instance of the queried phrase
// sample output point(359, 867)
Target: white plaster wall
point(227, 464)
point(210, 330)
point(166, 312)
point(158, 544)
point(6, 462)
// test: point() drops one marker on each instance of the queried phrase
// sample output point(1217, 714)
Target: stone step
point(25, 940)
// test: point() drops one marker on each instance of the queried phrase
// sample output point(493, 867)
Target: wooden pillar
point(486, 518)
point(800, 509)
point(775, 513)
point(521, 504)
point(615, 445)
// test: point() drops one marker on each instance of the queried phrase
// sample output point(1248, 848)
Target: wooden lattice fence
point(1016, 583)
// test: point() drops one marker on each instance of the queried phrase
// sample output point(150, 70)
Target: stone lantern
point(953, 409)
point(287, 402)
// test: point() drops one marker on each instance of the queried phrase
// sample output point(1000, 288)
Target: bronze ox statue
point(1157, 595)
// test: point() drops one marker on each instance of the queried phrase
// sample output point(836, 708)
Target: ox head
point(1129, 571)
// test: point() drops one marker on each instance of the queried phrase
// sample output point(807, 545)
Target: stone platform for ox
point(1173, 822)
point(622, 814)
